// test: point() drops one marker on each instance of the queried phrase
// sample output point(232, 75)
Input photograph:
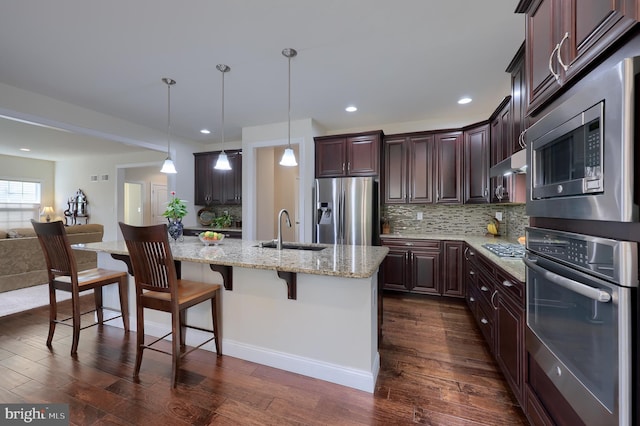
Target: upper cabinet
point(348, 155)
point(408, 169)
point(476, 164)
point(448, 170)
point(216, 187)
point(564, 36)
point(423, 168)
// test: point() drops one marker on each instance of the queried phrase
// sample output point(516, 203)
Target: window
point(19, 203)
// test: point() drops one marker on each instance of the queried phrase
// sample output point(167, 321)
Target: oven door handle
point(569, 284)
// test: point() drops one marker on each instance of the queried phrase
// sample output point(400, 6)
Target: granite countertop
point(335, 260)
point(212, 228)
point(515, 267)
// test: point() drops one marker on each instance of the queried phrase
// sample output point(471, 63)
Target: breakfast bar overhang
point(327, 330)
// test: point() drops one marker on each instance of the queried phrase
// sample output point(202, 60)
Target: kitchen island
point(312, 312)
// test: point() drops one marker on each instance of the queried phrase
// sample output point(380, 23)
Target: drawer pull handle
point(484, 321)
point(507, 283)
point(472, 299)
point(472, 273)
point(483, 288)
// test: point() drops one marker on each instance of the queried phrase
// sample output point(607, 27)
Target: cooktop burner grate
point(506, 250)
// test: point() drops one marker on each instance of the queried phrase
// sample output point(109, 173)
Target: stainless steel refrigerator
point(345, 211)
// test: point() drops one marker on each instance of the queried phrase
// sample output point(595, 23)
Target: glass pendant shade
point(168, 167)
point(223, 162)
point(288, 158)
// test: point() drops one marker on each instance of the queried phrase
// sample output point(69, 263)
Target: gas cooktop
point(506, 250)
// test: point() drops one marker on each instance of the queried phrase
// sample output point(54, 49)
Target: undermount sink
point(289, 246)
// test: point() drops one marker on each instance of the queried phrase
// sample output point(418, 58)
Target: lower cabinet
point(424, 266)
point(497, 302)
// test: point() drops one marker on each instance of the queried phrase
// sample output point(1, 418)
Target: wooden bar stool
point(64, 275)
point(158, 287)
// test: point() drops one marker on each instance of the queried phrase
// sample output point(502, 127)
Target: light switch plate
point(419, 216)
point(499, 216)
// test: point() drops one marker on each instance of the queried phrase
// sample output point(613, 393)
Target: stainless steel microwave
point(581, 153)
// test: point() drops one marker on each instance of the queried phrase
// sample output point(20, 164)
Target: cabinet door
point(395, 171)
point(592, 26)
point(363, 155)
point(394, 270)
point(543, 35)
point(330, 157)
point(476, 156)
point(518, 105)
point(448, 167)
point(509, 345)
point(203, 167)
point(453, 279)
point(420, 167)
point(425, 271)
point(232, 180)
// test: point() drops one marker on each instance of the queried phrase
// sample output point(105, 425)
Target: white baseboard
point(353, 378)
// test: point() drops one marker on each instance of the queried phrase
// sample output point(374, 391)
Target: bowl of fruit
point(211, 237)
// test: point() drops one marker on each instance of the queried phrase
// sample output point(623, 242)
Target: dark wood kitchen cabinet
point(412, 266)
point(476, 164)
point(348, 155)
point(216, 187)
point(564, 36)
point(408, 169)
point(448, 167)
point(424, 266)
point(497, 301)
point(452, 269)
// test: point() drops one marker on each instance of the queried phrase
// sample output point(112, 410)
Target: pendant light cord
point(289, 127)
point(222, 131)
point(168, 119)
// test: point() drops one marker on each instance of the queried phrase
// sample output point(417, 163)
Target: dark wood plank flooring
point(436, 370)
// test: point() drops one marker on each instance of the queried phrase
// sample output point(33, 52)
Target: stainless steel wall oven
point(580, 155)
point(580, 292)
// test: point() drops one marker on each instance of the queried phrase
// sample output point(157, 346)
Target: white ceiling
point(397, 61)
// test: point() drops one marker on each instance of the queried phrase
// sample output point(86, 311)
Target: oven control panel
point(603, 257)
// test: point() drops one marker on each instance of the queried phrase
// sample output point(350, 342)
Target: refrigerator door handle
point(343, 200)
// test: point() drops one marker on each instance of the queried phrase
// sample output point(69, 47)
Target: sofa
point(22, 262)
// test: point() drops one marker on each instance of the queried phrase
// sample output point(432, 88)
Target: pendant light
point(289, 158)
point(168, 166)
point(223, 161)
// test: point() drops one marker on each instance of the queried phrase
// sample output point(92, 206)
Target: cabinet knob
point(472, 272)
point(484, 321)
point(484, 288)
point(472, 299)
point(507, 283)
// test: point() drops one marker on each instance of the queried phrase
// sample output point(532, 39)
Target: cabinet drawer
point(509, 286)
point(431, 245)
point(485, 320)
point(484, 287)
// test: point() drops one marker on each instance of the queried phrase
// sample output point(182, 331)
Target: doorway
point(134, 203)
point(277, 187)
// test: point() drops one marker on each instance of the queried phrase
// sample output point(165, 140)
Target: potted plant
point(223, 221)
point(176, 210)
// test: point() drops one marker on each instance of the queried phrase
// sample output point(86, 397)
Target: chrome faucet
point(279, 242)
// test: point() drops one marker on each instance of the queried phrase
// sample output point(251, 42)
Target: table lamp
point(48, 210)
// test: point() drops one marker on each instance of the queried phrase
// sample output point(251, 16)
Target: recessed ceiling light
point(205, 131)
point(351, 109)
point(25, 149)
point(463, 101)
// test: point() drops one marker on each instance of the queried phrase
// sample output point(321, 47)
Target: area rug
point(27, 298)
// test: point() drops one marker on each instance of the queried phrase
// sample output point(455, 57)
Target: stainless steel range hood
point(517, 163)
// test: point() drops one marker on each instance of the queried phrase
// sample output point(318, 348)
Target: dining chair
point(158, 287)
point(62, 270)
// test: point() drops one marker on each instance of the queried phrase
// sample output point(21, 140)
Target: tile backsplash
point(468, 219)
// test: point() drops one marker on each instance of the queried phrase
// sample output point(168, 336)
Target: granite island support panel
point(329, 332)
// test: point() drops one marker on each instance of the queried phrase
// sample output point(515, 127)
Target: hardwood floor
point(436, 370)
